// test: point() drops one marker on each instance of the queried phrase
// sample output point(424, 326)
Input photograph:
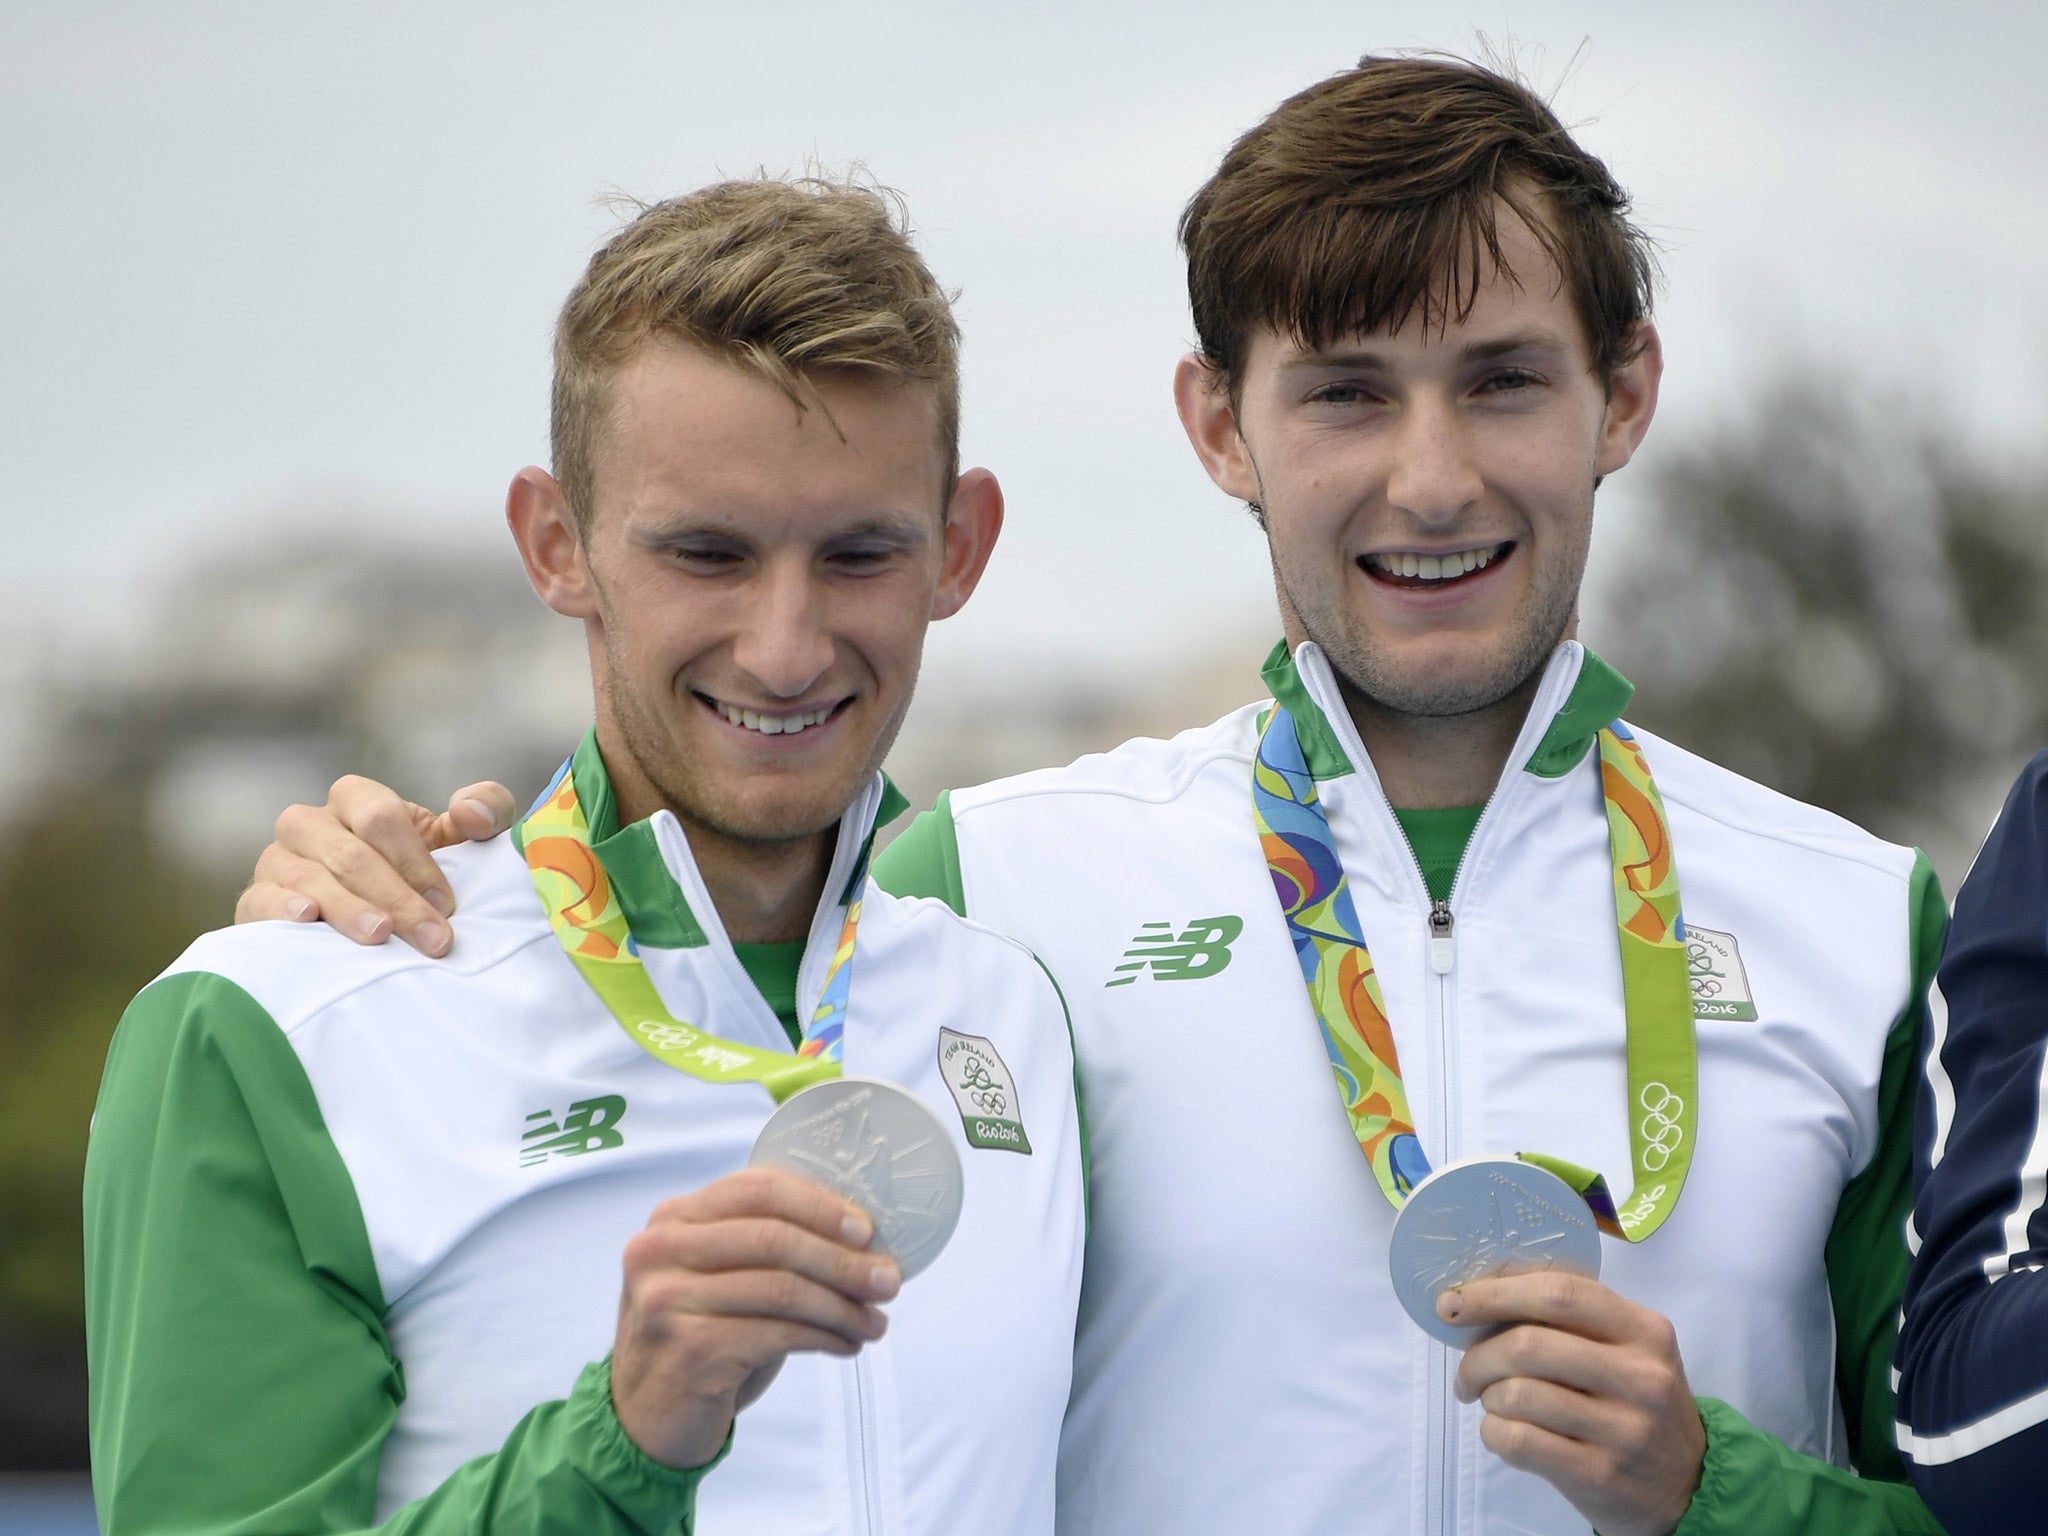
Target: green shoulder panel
point(242, 1379)
point(925, 860)
point(241, 1376)
point(1866, 1248)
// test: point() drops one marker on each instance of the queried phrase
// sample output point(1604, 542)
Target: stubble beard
point(1369, 674)
point(698, 801)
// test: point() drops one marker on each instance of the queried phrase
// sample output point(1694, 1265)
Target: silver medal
point(873, 1144)
point(1486, 1216)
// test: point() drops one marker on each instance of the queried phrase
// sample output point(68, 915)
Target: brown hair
point(789, 278)
point(1372, 195)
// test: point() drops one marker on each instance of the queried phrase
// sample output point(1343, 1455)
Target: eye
point(706, 559)
point(1341, 392)
point(1506, 380)
point(861, 557)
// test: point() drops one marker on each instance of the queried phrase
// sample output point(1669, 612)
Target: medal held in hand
point(1481, 1217)
point(867, 1141)
point(877, 1147)
point(1497, 1215)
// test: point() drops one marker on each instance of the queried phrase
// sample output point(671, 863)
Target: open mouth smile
point(794, 723)
point(1436, 571)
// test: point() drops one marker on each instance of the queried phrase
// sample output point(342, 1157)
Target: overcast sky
point(264, 261)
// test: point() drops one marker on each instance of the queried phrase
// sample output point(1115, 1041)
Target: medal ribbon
point(1663, 1053)
point(587, 919)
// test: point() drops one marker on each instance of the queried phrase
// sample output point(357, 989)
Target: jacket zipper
point(870, 1495)
point(1442, 959)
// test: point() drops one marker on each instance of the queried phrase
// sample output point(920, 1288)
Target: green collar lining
point(1598, 697)
point(649, 896)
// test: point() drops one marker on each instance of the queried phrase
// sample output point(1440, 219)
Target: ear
point(545, 530)
point(1202, 397)
point(1631, 401)
point(974, 518)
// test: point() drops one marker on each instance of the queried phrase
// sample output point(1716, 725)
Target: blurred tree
point(87, 916)
point(1836, 597)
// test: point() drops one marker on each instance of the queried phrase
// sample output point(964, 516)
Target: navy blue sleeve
point(1973, 1345)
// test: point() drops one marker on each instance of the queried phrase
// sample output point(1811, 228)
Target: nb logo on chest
point(591, 1125)
point(1199, 950)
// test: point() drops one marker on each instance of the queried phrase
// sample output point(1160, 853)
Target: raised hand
point(362, 862)
point(721, 1286)
point(1587, 1390)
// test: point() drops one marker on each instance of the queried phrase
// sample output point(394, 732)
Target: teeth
point(774, 725)
point(1434, 567)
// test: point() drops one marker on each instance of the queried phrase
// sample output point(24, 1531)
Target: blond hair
point(790, 279)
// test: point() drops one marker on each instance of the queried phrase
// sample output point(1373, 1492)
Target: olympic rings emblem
point(989, 1101)
point(667, 1037)
point(1659, 1127)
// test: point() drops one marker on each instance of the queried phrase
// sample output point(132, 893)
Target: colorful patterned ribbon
point(584, 912)
point(1663, 1054)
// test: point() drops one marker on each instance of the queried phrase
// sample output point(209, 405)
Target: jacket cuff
point(660, 1500)
point(1719, 1468)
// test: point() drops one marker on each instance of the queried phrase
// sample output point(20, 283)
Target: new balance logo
point(1200, 949)
point(590, 1126)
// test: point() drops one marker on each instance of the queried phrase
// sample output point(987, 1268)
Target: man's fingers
point(1554, 1297)
point(265, 902)
point(475, 813)
point(765, 1243)
point(773, 1295)
point(1549, 1354)
point(1570, 1465)
point(395, 831)
point(367, 921)
point(1559, 1410)
point(772, 1192)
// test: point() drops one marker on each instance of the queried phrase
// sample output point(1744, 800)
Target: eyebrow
point(1471, 352)
point(886, 527)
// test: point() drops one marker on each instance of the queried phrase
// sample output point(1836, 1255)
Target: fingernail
point(878, 1322)
point(489, 815)
point(300, 910)
point(856, 1229)
point(885, 1280)
point(433, 938)
point(372, 926)
point(1448, 1305)
point(440, 901)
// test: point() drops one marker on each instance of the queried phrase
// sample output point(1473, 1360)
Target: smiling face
point(755, 584)
point(1428, 493)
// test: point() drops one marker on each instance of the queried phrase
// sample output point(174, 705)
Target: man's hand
point(363, 862)
point(1586, 1390)
point(720, 1286)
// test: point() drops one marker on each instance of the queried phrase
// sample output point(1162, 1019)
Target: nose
point(1435, 476)
point(784, 644)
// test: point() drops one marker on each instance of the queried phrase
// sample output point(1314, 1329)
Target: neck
point(1428, 763)
point(766, 893)
point(766, 890)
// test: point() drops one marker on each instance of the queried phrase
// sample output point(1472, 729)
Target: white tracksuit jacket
point(309, 1309)
point(1242, 1365)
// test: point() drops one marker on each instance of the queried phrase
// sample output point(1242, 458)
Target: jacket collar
point(1597, 697)
point(649, 864)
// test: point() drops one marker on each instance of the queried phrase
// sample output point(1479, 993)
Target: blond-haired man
point(356, 1222)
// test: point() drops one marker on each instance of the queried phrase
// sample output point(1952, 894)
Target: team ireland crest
point(986, 1093)
point(1720, 986)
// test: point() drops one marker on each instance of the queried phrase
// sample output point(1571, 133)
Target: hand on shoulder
point(363, 862)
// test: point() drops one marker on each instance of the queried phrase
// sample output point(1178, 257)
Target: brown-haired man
point(355, 1226)
point(1424, 340)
